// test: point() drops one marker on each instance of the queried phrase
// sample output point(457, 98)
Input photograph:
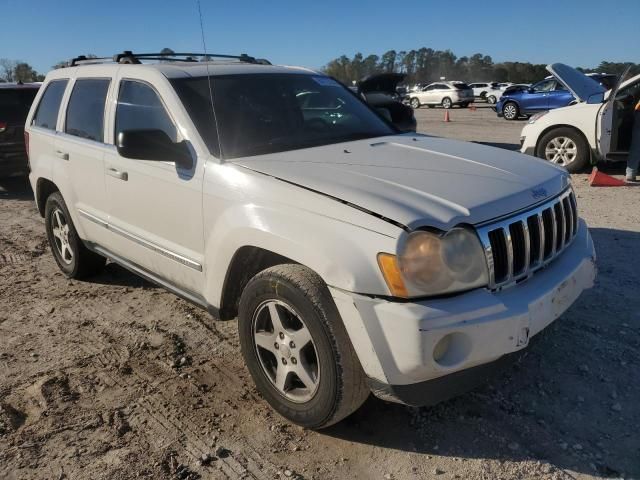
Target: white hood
point(418, 180)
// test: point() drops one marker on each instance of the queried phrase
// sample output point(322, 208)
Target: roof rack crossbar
point(130, 57)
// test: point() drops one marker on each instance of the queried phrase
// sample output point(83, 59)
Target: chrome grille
point(519, 245)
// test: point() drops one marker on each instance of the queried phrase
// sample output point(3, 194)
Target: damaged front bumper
point(420, 353)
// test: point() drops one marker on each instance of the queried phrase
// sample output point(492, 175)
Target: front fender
point(343, 254)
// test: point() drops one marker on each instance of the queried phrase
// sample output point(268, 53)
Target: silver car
point(446, 94)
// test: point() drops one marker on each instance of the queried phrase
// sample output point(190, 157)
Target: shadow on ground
point(15, 188)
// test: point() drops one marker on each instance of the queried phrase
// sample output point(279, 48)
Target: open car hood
point(417, 180)
point(382, 82)
point(581, 86)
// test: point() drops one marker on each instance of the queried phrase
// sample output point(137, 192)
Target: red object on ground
point(446, 116)
point(472, 108)
point(598, 179)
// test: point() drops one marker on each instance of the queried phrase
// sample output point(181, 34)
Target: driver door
point(538, 98)
point(155, 207)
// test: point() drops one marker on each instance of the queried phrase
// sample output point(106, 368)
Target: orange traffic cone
point(598, 179)
point(446, 115)
point(472, 108)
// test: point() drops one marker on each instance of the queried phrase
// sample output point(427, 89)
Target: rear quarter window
point(47, 114)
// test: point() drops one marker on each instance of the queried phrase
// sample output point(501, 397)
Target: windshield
point(268, 113)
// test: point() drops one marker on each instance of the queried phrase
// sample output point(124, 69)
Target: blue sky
point(310, 33)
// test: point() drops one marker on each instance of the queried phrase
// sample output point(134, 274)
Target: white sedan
point(596, 128)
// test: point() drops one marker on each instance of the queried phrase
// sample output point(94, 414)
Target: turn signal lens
point(391, 272)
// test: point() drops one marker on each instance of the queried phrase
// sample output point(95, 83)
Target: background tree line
point(18, 71)
point(427, 65)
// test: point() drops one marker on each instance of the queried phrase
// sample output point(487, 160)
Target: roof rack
point(136, 58)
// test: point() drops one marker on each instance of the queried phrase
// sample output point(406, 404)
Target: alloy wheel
point(446, 103)
point(415, 103)
point(286, 351)
point(561, 151)
point(510, 111)
point(60, 230)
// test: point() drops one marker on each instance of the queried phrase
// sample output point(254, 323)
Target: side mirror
point(153, 145)
point(596, 98)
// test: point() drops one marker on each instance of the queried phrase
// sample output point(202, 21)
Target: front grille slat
point(542, 245)
point(507, 239)
point(516, 247)
point(526, 260)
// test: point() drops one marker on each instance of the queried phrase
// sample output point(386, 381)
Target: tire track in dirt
point(177, 429)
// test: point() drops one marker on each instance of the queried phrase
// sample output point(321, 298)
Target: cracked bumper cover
point(395, 341)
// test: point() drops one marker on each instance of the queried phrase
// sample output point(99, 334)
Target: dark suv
point(15, 101)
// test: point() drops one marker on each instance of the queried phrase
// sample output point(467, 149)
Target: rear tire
point(287, 320)
point(415, 103)
point(565, 147)
point(72, 256)
point(491, 100)
point(510, 111)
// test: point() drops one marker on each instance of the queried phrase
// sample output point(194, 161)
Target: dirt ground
point(114, 378)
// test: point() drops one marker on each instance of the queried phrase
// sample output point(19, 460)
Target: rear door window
point(85, 113)
point(47, 113)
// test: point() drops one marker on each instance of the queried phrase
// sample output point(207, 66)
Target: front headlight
point(434, 264)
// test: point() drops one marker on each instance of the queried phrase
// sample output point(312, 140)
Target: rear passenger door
point(155, 218)
point(80, 149)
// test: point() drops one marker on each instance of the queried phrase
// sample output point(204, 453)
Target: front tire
point(446, 102)
point(415, 103)
point(297, 349)
point(564, 147)
point(73, 258)
point(510, 111)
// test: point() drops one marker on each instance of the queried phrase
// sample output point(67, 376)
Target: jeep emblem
point(538, 193)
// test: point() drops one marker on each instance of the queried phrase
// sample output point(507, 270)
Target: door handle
point(118, 174)
point(62, 155)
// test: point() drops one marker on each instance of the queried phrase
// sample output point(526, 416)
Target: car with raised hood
point(15, 101)
point(547, 94)
point(596, 128)
point(381, 92)
point(445, 94)
point(356, 258)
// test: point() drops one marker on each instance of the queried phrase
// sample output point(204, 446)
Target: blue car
point(545, 95)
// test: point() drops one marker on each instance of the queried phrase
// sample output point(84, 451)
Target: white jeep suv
point(356, 259)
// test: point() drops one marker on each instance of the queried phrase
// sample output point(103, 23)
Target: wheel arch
point(44, 188)
point(246, 262)
point(570, 127)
